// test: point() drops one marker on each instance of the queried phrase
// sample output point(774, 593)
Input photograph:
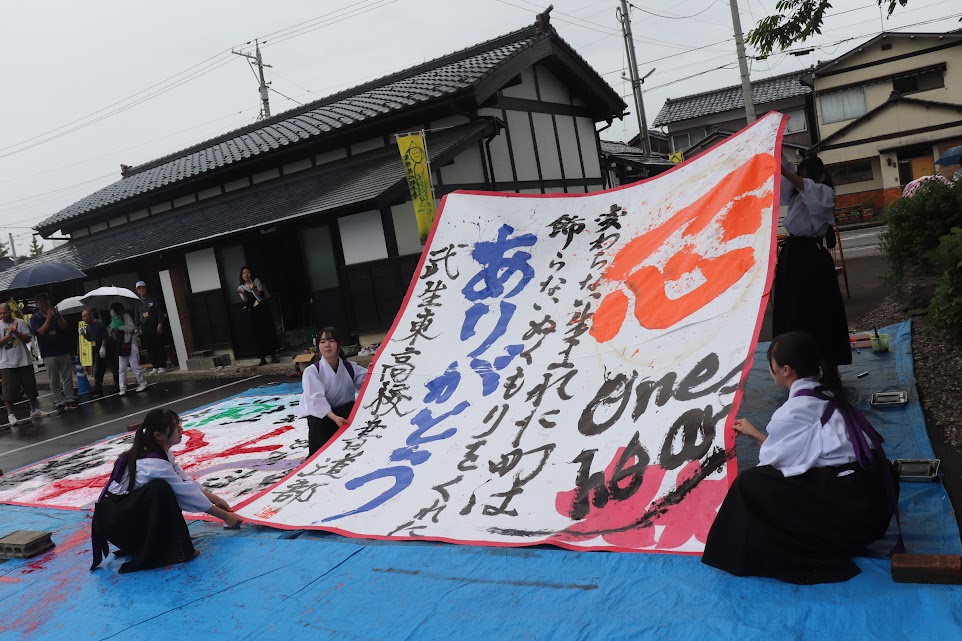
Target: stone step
point(202, 363)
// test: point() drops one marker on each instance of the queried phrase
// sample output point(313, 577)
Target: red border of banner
point(732, 465)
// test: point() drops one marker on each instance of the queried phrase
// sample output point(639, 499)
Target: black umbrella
point(44, 274)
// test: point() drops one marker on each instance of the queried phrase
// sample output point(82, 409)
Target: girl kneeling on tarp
point(141, 508)
point(822, 490)
point(331, 384)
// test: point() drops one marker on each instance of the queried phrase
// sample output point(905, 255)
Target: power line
point(594, 26)
point(172, 82)
point(671, 17)
point(284, 96)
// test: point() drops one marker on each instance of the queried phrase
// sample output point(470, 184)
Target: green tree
point(36, 247)
point(4, 252)
point(796, 21)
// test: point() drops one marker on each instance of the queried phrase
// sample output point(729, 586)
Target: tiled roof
point(438, 80)
point(358, 179)
point(729, 98)
point(419, 85)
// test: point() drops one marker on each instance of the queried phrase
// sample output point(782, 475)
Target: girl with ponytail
point(823, 488)
point(141, 507)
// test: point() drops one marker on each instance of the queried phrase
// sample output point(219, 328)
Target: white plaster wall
point(202, 271)
point(589, 147)
point(569, 147)
point(523, 145)
point(467, 168)
point(406, 229)
point(362, 237)
point(547, 147)
point(525, 89)
point(552, 89)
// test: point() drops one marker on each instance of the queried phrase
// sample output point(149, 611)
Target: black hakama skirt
point(146, 524)
point(807, 298)
point(800, 529)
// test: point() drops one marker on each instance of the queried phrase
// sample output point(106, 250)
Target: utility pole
point(13, 248)
point(625, 21)
point(262, 85)
point(742, 64)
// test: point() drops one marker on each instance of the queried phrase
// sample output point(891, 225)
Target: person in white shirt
point(331, 384)
point(141, 507)
point(16, 364)
point(806, 294)
point(812, 501)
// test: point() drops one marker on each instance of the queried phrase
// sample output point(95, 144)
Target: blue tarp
point(262, 584)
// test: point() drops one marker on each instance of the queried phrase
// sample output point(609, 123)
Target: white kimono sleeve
point(314, 397)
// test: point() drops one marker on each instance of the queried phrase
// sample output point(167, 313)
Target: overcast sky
point(90, 85)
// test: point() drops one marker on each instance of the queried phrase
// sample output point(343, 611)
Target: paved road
point(859, 243)
point(32, 441)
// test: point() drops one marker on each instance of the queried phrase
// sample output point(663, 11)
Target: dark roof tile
point(730, 98)
point(436, 79)
point(358, 179)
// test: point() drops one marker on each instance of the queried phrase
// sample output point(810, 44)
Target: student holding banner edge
point(331, 384)
point(822, 490)
point(806, 294)
point(141, 507)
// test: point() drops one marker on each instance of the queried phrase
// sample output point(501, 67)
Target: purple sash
point(860, 432)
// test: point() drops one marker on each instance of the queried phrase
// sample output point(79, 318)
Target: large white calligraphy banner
point(237, 448)
point(563, 370)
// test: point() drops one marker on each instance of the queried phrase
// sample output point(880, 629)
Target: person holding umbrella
point(104, 353)
point(16, 366)
point(124, 333)
point(50, 328)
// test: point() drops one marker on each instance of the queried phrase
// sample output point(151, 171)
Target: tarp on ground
point(237, 448)
point(563, 368)
point(258, 585)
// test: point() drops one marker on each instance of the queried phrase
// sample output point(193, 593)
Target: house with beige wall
point(886, 111)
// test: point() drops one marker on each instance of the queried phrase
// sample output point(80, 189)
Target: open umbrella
point(952, 156)
point(72, 304)
point(914, 185)
point(45, 274)
point(103, 297)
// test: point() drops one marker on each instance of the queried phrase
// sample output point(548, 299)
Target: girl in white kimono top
point(331, 384)
point(812, 501)
point(806, 295)
point(144, 517)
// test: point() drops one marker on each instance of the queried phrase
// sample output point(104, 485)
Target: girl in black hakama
point(806, 296)
point(823, 488)
point(141, 507)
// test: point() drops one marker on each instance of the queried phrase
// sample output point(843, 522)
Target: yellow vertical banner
point(414, 154)
point(85, 348)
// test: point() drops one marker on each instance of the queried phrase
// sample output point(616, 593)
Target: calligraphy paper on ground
point(235, 448)
point(564, 369)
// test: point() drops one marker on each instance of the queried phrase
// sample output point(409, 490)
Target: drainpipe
point(487, 154)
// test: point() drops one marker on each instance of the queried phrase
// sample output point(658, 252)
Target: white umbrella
point(103, 297)
point(72, 304)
